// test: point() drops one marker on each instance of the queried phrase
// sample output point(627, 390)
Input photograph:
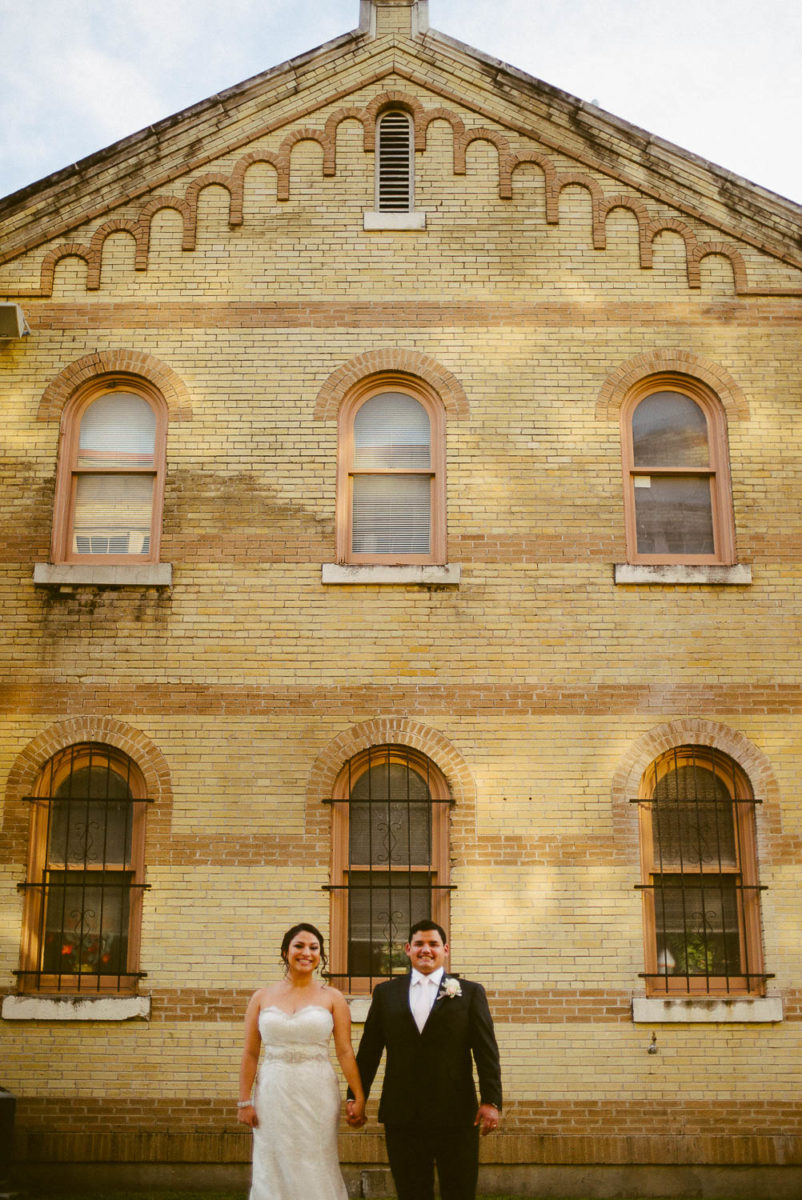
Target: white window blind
point(395, 161)
point(392, 477)
point(117, 431)
point(115, 474)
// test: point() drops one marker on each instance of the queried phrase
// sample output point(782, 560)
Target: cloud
point(719, 78)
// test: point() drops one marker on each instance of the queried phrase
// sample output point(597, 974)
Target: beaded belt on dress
point(294, 1054)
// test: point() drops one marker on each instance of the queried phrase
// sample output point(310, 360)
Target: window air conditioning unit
point(12, 322)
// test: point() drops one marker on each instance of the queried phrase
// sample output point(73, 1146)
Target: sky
point(718, 77)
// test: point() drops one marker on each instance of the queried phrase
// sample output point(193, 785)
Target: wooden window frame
point(353, 402)
point(439, 867)
point(68, 471)
point(744, 874)
point(718, 469)
point(381, 149)
point(85, 983)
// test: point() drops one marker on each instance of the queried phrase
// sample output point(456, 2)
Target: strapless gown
point(297, 1100)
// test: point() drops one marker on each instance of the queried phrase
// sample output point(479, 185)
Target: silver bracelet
point(245, 1104)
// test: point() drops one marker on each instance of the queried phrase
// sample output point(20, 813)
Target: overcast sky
point(718, 77)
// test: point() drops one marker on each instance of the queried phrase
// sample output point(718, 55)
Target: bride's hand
point(247, 1116)
point(355, 1113)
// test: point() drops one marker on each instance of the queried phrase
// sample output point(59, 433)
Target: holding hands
point(246, 1115)
point(355, 1113)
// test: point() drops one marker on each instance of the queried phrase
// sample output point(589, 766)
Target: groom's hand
point(487, 1119)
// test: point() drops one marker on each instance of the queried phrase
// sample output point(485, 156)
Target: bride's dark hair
point(306, 927)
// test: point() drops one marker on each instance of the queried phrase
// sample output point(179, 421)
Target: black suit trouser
point(413, 1152)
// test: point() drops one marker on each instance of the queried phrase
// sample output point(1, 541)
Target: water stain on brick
point(215, 517)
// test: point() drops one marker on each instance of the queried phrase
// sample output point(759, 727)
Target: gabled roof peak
point(393, 16)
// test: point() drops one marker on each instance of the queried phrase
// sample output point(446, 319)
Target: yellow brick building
point(402, 485)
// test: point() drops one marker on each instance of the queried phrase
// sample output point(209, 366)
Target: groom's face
point(427, 951)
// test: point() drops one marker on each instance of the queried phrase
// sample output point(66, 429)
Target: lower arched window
point(83, 894)
point(390, 860)
point(700, 875)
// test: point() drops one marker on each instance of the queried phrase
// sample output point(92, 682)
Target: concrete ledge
point(76, 1008)
point(100, 575)
point(359, 1006)
point(739, 575)
point(433, 576)
point(714, 1010)
point(394, 220)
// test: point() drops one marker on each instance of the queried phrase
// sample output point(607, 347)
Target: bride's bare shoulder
point(264, 995)
point(335, 998)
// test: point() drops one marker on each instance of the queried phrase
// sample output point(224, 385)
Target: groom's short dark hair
point(425, 926)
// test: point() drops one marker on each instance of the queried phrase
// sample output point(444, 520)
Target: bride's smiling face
point(303, 953)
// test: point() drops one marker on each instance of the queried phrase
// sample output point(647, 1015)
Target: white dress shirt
point(423, 991)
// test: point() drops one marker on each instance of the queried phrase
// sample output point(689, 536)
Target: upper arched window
point(391, 480)
point(83, 894)
point(700, 875)
point(110, 482)
point(389, 860)
point(676, 474)
point(395, 162)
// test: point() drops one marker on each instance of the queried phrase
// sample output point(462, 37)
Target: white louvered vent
point(394, 182)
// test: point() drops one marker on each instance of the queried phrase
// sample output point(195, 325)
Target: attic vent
point(394, 166)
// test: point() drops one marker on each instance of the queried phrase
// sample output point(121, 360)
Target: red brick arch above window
point(694, 731)
point(106, 731)
point(620, 382)
point(398, 731)
point(391, 360)
point(117, 361)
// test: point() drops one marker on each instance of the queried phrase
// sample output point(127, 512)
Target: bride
point(295, 1105)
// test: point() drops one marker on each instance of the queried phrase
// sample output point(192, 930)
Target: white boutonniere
point(450, 988)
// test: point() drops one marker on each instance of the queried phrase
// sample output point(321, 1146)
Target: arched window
point(110, 483)
point(700, 877)
point(391, 475)
point(390, 860)
point(395, 162)
point(83, 894)
point(676, 475)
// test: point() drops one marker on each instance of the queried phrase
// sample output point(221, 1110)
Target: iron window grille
point(84, 888)
point(390, 861)
point(700, 884)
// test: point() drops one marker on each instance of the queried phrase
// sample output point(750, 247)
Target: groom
point(432, 1025)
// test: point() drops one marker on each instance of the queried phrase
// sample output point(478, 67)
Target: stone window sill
point(76, 1008)
point(421, 575)
point(359, 1006)
point(100, 575)
point(394, 220)
point(713, 1010)
point(739, 575)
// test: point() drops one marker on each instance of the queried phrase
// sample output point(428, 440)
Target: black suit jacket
point(429, 1075)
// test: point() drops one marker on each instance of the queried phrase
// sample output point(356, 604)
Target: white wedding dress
point(297, 1101)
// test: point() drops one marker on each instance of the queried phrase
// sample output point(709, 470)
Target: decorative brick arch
point(398, 731)
point(119, 361)
point(694, 731)
point(655, 362)
point(395, 99)
point(106, 731)
point(387, 360)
